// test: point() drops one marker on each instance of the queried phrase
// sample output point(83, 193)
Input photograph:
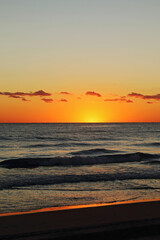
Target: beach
point(54, 165)
point(125, 220)
point(79, 181)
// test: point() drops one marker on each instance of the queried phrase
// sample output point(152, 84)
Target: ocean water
point(56, 164)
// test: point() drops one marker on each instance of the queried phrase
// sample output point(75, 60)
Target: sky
point(79, 61)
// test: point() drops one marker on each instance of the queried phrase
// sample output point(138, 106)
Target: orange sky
point(72, 108)
point(103, 47)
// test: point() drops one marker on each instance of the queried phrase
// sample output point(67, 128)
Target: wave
point(63, 179)
point(93, 151)
point(77, 160)
point(41, 145)
point(153, 162)
point(144, 188)
point(57, 138)
point(70, 144)
point(4, 138)
point(104, 139)
point(45, 145)
point(156, 144)
point(44, 138)
point(3, 146)
point(151, 144)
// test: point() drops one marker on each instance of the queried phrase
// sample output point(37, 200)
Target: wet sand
point(125, 220)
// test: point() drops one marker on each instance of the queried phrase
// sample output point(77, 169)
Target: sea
point(61, 164)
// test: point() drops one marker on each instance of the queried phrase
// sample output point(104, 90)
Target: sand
point(126, 220)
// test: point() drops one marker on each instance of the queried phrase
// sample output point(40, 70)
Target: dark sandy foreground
point(129, 220)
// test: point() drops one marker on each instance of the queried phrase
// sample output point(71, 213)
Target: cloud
point(21, 95)
point(150, 102)
point(47, 100)
point(148, 97)
point(22, 98)
point(133, 94)
point(13, 96)
point(92, 93)
point(63, 100)
point(65, 93)
point(39, 93)
point(122, 99)
point(25, 100)
point(128, 101)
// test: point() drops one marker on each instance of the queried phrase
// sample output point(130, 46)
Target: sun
point(92, 114)
point(92, 118)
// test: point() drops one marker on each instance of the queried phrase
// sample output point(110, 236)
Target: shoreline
point(60, 208)
point(70, 221)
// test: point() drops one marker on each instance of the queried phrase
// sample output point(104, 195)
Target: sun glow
point(91, 121)
point(92, 117)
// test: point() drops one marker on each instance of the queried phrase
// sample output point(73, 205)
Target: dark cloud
point(65, 93)
point(150, 102)
point(22, 98)
point(63, 100)
point(22, 95)
point(133, 94)
point(92, 93)
point(13, 96)
point(129, 101)
point(25, 100)
point(122, 99)
point(145, 97)
point(47, 100)
point(39, 93)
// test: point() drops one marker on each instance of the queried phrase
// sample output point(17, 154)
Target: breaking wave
point(60, 179)
point(77, 160)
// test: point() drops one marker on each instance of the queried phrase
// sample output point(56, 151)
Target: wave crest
point(60, 179)
point(77, 160)
point(93, 151)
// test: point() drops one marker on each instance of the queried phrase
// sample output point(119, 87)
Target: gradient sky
point(105, 47)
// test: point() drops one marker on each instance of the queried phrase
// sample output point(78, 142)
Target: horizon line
point(75, 122)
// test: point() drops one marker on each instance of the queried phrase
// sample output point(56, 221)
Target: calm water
point(47, 165)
